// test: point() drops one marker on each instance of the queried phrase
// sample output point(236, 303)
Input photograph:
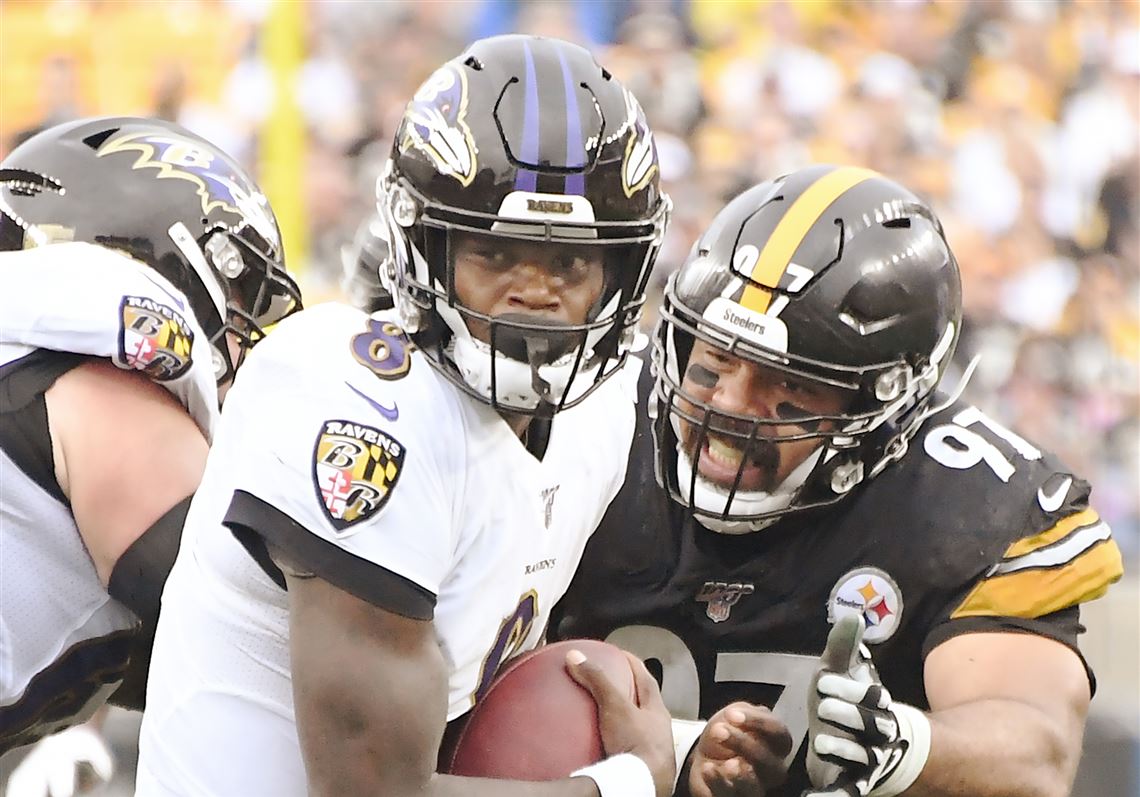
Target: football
point(536, 722)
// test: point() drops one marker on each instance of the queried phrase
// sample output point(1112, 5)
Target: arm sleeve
point(1038, 585)
point(343, 491)
point(249, 515)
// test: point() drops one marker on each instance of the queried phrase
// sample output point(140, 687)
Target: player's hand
point(861, 743)
point(740, 753)
point(68, 763)
point(643, 728)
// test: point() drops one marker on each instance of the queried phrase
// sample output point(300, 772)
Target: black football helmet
point(524, 138)
point(167, 198)
point(834, 275)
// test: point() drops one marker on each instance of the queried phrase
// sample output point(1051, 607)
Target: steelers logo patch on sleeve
point(355, 469)
point(154, 339)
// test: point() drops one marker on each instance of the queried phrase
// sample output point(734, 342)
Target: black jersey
point(974, 529)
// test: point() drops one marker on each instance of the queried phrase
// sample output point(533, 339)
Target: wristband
point(914, 727)
point(685, 735)
point(624, 775)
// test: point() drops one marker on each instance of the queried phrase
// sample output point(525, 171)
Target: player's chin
point(479, 329)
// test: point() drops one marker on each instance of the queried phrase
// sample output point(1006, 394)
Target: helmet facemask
point(260, 292)
point(515, 362)
point(249, 289)
point(876, 410)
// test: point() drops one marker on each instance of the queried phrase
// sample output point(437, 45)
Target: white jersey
point(348, 451)
point(87, 299)
point(64, 642)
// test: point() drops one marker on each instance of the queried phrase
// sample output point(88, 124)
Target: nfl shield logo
point(721, 597)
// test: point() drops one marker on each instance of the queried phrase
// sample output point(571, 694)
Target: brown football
point(536, 722)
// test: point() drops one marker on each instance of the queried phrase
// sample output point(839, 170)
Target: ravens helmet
point(836, 278)
point(522, 138)
point(167, 198)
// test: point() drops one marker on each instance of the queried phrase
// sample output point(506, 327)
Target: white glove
point(861, 743)
point(65, 764)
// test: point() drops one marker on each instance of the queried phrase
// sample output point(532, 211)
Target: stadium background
point(1018, 119)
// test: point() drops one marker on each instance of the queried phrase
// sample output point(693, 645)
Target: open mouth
point(720, 460)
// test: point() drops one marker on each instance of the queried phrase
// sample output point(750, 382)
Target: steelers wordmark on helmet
point(355, 468)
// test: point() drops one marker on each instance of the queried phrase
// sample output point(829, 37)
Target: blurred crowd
point(1018, 119)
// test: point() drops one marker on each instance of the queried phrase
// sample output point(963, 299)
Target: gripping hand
point(861, 743)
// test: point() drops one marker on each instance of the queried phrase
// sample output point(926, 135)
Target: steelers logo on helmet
point(871, 594)
point(355, 469)
point(835, 290)
point(526, 145)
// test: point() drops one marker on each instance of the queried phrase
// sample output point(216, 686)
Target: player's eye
point(573, 266)
point(491, 258)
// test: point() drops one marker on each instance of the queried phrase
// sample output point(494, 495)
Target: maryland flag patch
point(154, 338)
point(355, 468)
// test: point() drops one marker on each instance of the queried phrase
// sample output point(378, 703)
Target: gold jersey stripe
point(1034, 593)
point(1069, 547)
point(793, 227)
point(1051, 535)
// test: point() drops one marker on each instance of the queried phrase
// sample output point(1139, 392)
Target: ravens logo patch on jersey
point(154, 339)
point(355, 468)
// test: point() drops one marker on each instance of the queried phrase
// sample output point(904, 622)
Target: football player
point(801, 467)
point(395, 501)
point(138, 264)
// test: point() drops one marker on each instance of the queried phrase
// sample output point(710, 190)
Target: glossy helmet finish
point(838, 276)
point(167, 198)
point(523, 138)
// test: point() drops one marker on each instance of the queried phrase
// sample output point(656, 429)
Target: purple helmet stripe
point(527, 179)
point(575, 151)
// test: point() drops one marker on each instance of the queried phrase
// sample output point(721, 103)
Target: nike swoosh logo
point(1051, 502)
point(391, 413)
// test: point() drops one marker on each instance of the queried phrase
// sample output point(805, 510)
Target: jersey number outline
point(384, 349)
point(681, 684)
point(956, 446)
point(513, 631)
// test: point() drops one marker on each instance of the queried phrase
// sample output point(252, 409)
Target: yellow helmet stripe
point(793, 227)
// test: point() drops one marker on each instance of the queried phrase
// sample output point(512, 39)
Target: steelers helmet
point(834, 275)
point(169, 199)
point(522, 138)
